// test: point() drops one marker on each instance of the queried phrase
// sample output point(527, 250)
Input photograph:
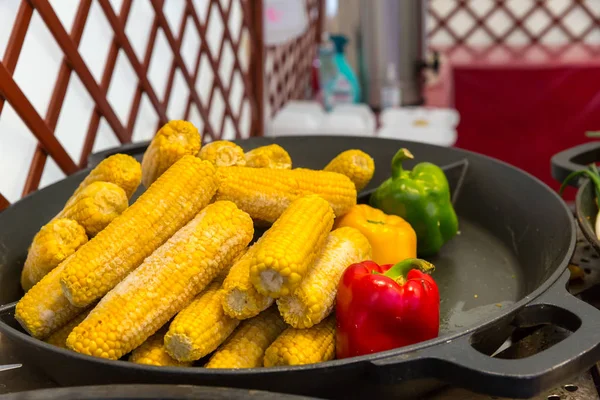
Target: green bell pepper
point(422, 198)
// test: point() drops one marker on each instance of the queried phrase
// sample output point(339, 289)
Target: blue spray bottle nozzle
point(339, 42)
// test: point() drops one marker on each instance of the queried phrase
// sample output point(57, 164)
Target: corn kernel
point(245, 348)
point(303, 346)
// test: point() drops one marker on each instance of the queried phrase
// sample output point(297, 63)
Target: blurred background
point(514, 79)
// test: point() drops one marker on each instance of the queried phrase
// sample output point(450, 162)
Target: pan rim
point(360, 360)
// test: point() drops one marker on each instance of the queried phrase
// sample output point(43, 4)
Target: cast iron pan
point(150, 392)
point(576, 159)
point(505, 270)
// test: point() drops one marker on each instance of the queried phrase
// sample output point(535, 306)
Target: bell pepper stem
point(400, 156)
point(399, 271)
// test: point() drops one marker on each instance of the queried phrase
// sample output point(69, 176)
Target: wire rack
point(223, 84)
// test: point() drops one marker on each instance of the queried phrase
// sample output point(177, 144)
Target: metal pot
point(390, 36)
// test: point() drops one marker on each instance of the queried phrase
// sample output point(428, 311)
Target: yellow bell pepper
point(392, 238)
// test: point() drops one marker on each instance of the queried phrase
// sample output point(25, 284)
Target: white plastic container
point(419, 124)
point(296, 118)
point(349, 120)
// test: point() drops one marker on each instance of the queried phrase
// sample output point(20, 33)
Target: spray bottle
point(344, 88)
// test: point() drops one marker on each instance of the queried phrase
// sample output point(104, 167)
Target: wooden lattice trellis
point(43, 127)
point(288, 67)
point(288, 72)
point(476, 26)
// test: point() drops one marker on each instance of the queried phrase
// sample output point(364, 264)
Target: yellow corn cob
point(167, 205)
point(96, 206)
point(56, 241)
point(303, 346)
point(241, 300)
point(201, 327)
point(222, 153)
point(44, 309)
point(152, 352)
point(174, 140)
point(356, 165)
point(292, 243)
point(165, 283)
point(245, 348)
point(225, 271)
point(120, 169)
point(59, 338)
point(270, 156)
point(314, 299)
point(265, 193)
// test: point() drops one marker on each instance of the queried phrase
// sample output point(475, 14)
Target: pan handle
point(457, 362)
point(574, 159)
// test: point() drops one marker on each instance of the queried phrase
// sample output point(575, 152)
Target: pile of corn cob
point(174, 280)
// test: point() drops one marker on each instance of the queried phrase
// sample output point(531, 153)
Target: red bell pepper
point(383, 307)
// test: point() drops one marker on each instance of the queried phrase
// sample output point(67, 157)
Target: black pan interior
point(514, 231)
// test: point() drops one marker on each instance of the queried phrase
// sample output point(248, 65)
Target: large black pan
point(586, 209)
point(506, 269)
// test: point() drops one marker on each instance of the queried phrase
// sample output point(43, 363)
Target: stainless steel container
point(391, 32)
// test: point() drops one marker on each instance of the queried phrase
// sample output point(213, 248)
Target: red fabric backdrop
point(525, 111)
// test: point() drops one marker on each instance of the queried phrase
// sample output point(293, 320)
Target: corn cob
point(167, 205)
point(59, 338)
point(120, 169)
point(292, 243)
point(225, 271)
point(245, 348)
point(314, 299)
point(303, 346)
point(56, 241)
point(174, 140)
point(44, 309)
point(223, 153)
point(201, 327)
point(241, 300)
point(270, 156)
point(165, 283)
point(265, 193)
point(152, 352)
point(356, 165)
point(96, 206)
